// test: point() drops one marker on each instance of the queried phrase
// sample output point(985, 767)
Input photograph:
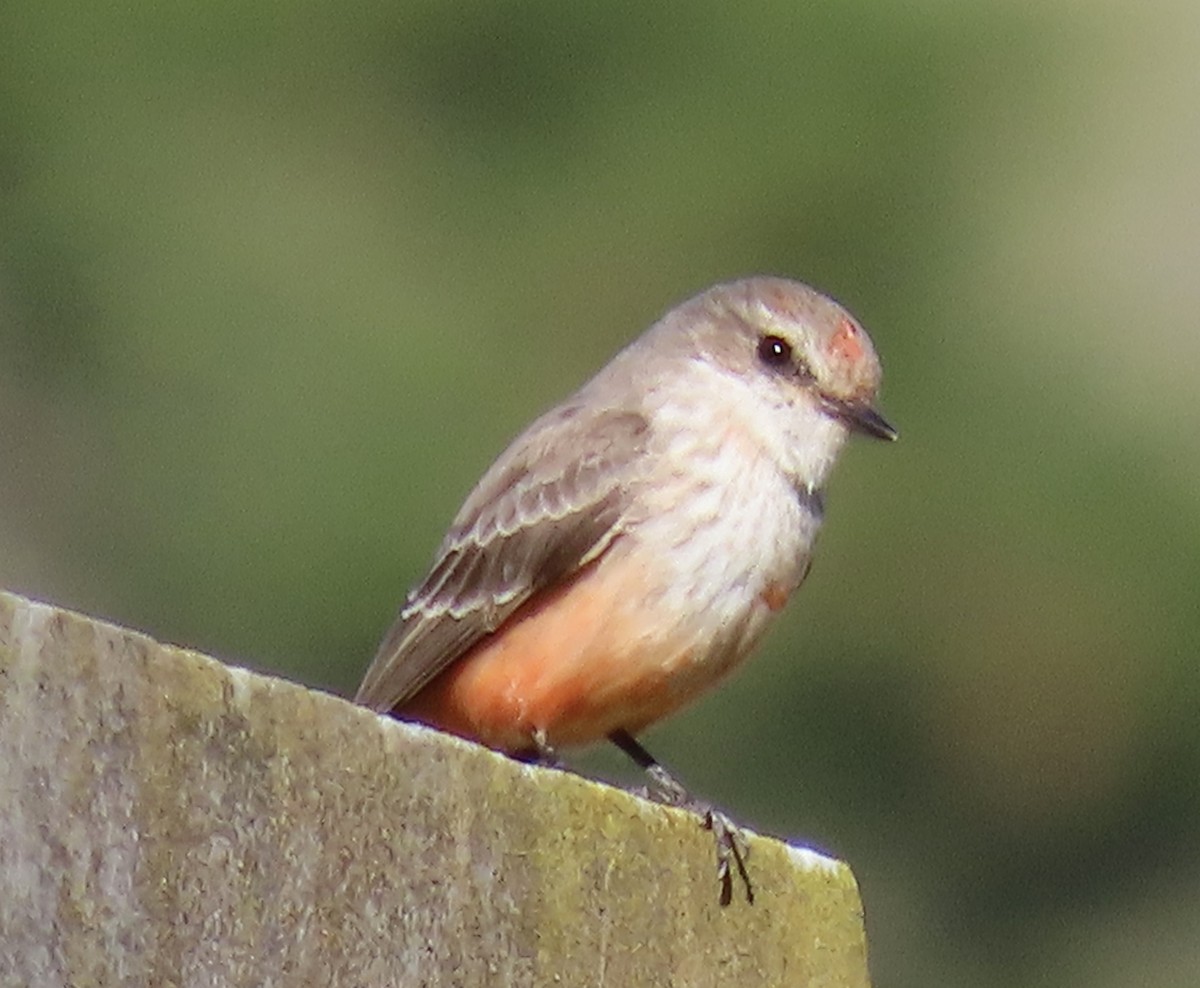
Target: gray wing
point(551, 504)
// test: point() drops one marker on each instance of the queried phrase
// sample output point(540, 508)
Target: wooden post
point(167, 820)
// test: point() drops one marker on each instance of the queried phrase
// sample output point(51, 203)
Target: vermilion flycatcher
point(627, 550)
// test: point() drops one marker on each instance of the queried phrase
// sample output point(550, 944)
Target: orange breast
point(573, 665)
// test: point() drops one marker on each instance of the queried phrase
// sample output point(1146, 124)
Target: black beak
point(862, 418)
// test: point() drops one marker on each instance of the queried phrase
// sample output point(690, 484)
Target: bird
point(627, 550)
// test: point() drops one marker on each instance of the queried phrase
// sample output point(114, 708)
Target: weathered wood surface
point(167, 820)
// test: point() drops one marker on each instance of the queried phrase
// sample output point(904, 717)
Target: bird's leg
point(732, 847)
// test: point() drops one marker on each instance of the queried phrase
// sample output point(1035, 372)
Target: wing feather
point(553, 502)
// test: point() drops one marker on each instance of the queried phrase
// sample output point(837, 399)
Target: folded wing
point(554, 502)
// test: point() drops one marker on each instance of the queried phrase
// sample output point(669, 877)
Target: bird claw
point(543, 752)
point(732, 848)
point(665, 788)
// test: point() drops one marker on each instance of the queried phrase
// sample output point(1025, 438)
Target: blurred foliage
point(277, 281)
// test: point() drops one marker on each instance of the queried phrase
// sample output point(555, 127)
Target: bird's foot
point(541, 752)
point(733, 849)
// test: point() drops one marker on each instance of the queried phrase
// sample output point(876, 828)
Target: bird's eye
point(774, 351)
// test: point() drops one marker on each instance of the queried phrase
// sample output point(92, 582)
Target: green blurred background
point(277, 281)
